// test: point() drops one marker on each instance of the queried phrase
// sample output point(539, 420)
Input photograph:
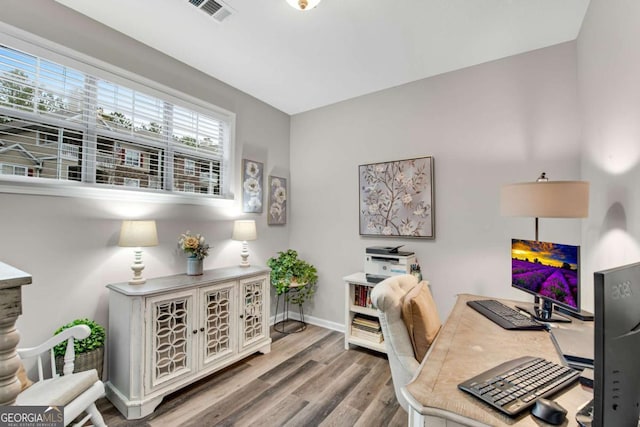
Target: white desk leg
point(415, 418)
point(418, 420)
point(436, 422)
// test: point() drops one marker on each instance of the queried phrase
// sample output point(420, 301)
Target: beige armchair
point(403, 342)
point(77, 392)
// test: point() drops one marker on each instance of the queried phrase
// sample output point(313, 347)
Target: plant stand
point(280, 326)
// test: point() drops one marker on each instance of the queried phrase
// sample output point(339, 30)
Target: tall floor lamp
point(545, 199)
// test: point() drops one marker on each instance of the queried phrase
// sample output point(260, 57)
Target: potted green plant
point(89, 351)
point(288, 271)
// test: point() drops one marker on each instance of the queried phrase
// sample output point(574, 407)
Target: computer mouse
point(549, 411)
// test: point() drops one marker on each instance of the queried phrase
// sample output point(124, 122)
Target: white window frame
point(66, 171)
point(153, 183)
point(132, 158)
point(14, 167)
point(189, 167)
point(131, 182)
point(27, 42)
point(69, 151)
point(189, 187)
point(42, 140)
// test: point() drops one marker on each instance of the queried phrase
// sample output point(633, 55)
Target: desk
point(467, 345)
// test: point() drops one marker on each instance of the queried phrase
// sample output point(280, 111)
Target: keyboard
point(514, 386)
point(505, 316)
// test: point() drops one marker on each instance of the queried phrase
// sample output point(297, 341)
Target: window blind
point(59, 123)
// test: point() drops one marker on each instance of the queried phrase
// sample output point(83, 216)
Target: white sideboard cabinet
point(174, 330)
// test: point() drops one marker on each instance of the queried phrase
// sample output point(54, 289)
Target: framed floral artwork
point(251, 186)
point(397, 199)
point(277, 201)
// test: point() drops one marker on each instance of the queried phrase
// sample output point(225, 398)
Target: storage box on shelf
point(172, 331)
point(358, 305)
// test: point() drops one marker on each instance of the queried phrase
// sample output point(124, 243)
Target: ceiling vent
point(218, 10)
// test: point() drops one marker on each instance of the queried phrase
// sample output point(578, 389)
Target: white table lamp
point(136, 234)
point(244, 230)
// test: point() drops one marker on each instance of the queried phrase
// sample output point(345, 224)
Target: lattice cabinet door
point(170, 338)
point(254, 307)
point(216, 333)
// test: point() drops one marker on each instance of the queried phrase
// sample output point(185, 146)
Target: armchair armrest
point(75, 332)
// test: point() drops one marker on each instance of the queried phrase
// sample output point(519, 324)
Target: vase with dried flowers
point(197, 249)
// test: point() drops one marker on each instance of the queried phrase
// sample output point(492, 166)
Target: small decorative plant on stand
point(288, 271)
point(89, 351)
point(197, 249)
point(296, 279)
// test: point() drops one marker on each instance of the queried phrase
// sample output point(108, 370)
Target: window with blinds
point(58, 123)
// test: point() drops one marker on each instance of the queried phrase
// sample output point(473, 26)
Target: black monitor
point(549, 271)
point(617, 347)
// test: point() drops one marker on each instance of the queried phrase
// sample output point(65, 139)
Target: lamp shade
point(546, 199)
point(244, 230)
point(138, 234)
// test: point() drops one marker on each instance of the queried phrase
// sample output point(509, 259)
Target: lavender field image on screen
point(547, 269)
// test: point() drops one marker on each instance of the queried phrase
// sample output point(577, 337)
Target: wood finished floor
point(308, 379)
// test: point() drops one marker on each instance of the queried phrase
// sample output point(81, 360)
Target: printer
point(381, 262)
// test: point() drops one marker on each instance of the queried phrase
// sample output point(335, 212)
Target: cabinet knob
point(195, 331)
point(242, 316)
point(201, 329)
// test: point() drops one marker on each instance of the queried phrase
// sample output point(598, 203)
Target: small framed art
point(251, 186)
point(277, 201)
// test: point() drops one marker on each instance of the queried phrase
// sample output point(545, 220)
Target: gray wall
point(70, 245)
point(609, 85)
point(570, 110)
point(488, 125)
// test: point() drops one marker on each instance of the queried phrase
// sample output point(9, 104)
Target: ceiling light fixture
point(303, 4)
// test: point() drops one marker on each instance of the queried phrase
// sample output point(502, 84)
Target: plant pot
point(194, 266)
point(294, 284)
point(93, 359)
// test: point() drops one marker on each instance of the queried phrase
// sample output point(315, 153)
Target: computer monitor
point(617, 346)
point(549, 271)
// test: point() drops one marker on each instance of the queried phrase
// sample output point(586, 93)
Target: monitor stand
point(544, 312)
point(584, 416)
point(583, 315)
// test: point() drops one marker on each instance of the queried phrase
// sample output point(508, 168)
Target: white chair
point(387, 296)
point(76, 392)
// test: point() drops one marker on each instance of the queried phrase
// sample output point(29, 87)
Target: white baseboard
point(312, 321)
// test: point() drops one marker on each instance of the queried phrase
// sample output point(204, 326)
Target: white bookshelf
point(351, 309)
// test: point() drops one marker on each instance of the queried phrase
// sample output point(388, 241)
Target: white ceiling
point(297, 61)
